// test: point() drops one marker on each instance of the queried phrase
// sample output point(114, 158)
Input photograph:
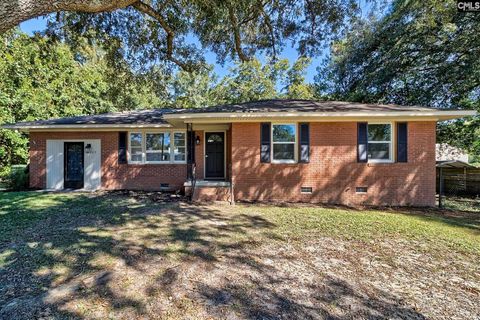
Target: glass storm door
point(73, 165)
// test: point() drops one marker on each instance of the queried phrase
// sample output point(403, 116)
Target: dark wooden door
point(214, 155)
point(73, 172)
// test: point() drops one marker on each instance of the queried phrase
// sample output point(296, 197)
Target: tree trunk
point(12, 12)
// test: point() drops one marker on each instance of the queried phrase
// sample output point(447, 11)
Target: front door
point(73, 165)
point(214, 155)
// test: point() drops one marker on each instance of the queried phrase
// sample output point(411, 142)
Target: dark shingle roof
point(155, 117)
point(298, 105)
point(140, 117)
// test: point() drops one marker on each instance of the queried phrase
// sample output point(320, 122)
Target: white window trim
point(144, 149)
point(390, 143)
point(172, 157)
point(130, 147)
point(295, 144)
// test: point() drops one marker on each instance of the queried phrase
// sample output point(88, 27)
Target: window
point(157, 147)
point(379, 142)
point(179, 143)
point(283, 141)
point(136, 150)
point(215, 138)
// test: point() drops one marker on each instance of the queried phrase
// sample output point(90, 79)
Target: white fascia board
point(452, 114)
point(85, 126)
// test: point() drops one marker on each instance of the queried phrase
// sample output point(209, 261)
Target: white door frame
point(224, 154)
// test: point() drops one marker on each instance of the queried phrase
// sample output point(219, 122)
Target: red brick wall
point(114, 175)
point(209, 194)
point(333, 171)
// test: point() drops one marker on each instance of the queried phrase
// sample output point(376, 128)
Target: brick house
point(270, 150)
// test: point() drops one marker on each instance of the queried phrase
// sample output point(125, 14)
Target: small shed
point(459, 177)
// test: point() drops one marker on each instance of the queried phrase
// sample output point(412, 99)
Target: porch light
point(197, 140)
point(88, 147)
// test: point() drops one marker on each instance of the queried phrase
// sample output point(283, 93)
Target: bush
point(4, 174)
point(18, 178)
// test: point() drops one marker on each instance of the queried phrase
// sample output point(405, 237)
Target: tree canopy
point(419, 53)
point(161, 31)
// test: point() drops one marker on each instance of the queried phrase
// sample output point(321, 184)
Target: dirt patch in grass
point(135, 256)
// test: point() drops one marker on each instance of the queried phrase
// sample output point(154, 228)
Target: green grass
point(462, 204)
point(457, 232)
point(19, 210)
point(58, 239)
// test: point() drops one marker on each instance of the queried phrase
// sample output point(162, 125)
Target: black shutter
point(362, 142)
point(304, 149)
point(122, 147)
point(265, 129)
point(402, 133)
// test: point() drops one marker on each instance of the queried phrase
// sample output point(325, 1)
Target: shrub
point(18, 178)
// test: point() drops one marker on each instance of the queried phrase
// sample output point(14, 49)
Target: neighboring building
point(446, 152)
point(271, 150)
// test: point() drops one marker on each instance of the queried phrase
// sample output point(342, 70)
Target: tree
point(41, 78)
point(419, 53)
point(13, 12)
point(158, 31)
point(249, 81)
point(296, 87)
point(193, 89)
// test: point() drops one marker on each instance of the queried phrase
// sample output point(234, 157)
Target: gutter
point(82, 126)
point(279, 114)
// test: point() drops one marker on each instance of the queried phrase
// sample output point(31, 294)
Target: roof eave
point(83, 126)
point(435, 115)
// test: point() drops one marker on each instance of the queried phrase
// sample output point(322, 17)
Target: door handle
point(206, 156)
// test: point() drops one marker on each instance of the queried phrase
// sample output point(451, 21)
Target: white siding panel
point(54, 164)
point(92, 170)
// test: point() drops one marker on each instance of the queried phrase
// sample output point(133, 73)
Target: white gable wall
point(92, 169)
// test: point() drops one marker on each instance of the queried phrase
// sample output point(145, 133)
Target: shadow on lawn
point(469, 220)
point(71, 233)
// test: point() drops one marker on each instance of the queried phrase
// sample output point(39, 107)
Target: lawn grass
point(121, 255)
point(463, 204)
point(437, 228)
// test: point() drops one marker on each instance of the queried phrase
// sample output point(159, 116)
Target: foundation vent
point(306, 190)
point(361, 189)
